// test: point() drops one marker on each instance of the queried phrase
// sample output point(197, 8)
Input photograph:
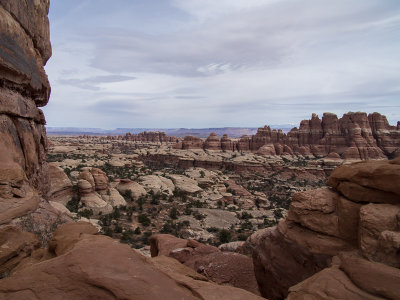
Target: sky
point(220, 63)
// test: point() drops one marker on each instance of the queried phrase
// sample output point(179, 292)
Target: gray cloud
point(92, 83)
point(266, 37)
point(231, 63)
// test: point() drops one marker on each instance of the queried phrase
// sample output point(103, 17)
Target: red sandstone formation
point(226, 143)
point(146, 136)
point(225, 268)
point(340, 241)
point(354, 136)
point(212, 142)
point(78, 264)
point(24, 87)
point(192, 142)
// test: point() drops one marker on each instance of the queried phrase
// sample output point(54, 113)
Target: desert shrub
point(137, 230)
point(269, 223)
point(105, 220)
point(174, 213)
point(127, 194)
point(108, 231)
point(212, 229)
point(229, 190)
point(116, 214)
point(144, 220)
point(117, 228)
point(245, 216)
point(126, 236)
point(140, 202)
point(155, 199)
point(146, 237)
point(224, 236)
point(246, 225)
point(73, 204)
point(86, 213)
point(242, 237)
point(188, 211)
point(198, 216)
point(173, 228)
point(278, 214)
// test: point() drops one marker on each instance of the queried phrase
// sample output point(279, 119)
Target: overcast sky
point(216, 63)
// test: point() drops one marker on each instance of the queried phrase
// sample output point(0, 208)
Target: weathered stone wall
point(356, 136)
point(24, 87)
point(342, 241)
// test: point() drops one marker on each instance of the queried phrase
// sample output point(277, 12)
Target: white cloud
point(210, 9)
point(242, 63)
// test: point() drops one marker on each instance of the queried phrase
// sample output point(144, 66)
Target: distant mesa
point(355, 135)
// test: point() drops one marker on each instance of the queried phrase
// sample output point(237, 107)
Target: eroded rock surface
point(355, 136)
point(225, 268)
point(24, 87)
point(328, 232)
point(113, 271)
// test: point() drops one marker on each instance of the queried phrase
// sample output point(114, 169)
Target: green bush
point(174, 213)
point(198, 216)
point(212, 229)
point(86, 213)
point(245, 216)
point(224, 236)
point(144, 220)
point(73, 204)
point(128, 195)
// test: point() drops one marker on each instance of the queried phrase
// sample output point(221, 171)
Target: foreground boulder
point(96, 193)
point(376, 181)
point(24, 50)
point(315, 251)
point(15, 245)
point(60, 186)
point(112, 271)
point(225, 268)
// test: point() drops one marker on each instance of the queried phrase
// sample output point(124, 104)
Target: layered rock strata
point(145, 136)
point(354, 136)
point(225, 268)
point(96, 193)
point(24, 87)
point(330, 232)
point(71, 269)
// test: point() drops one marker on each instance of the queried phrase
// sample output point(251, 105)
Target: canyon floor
point(210, 196)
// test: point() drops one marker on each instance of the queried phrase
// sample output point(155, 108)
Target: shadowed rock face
point(71, 269)
point(354, 136)
point(24, 50)
point(331, 232)
point(227, 268)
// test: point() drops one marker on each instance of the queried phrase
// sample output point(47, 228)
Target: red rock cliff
point(354, 136)
point(24, 87)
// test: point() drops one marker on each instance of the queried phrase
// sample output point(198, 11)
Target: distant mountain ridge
point(178, 132)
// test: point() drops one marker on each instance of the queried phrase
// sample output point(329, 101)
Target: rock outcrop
point(192, 142)
point(212, 142)
point(96, 193)
point(71, 269)
point(147, 136)
point(60, 186)
point(355, 136)
point(134, 189)
point(329, 232)
point(225, 268)
point(24, 87)
point(15, 246)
